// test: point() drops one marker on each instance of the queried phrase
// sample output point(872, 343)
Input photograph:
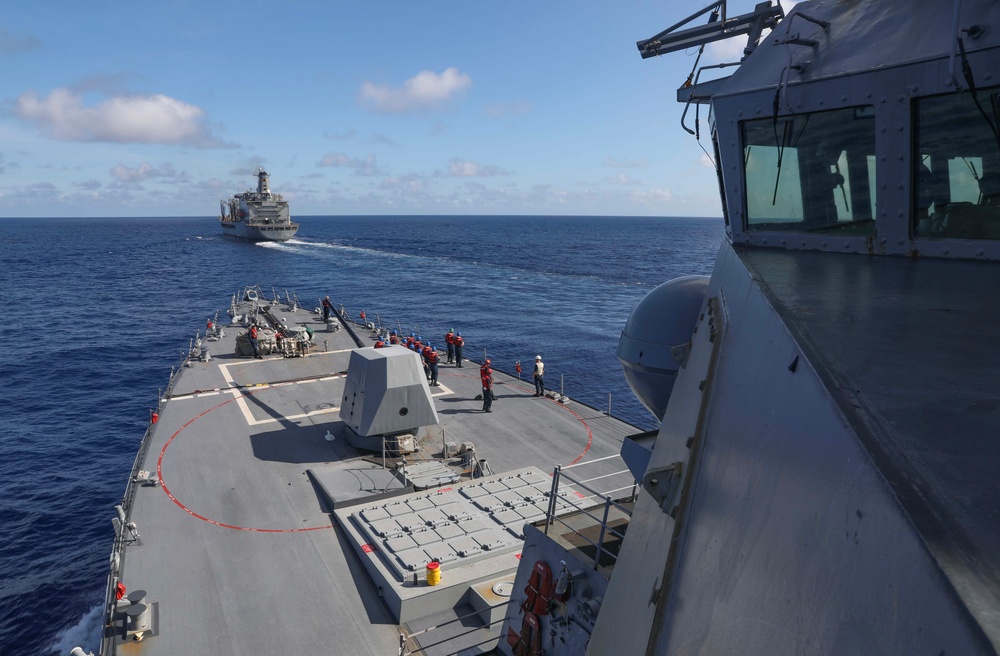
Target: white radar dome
point(663, 319)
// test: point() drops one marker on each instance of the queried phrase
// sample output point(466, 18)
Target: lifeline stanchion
point(551, 510)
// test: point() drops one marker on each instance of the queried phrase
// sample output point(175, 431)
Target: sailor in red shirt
point(432, 363)
point(486, 374)
point(449, 339)
point(253, 341)
point(459, 343)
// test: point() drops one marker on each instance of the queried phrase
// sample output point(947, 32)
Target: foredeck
point(240, 552)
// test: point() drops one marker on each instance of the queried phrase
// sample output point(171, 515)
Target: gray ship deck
point(240, 552)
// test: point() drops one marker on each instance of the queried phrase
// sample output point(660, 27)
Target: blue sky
point(164, 108)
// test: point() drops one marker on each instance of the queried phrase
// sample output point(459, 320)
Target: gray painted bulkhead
point(837, 433)
point(790, 541)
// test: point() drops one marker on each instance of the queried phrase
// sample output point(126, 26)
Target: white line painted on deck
point(245, 408)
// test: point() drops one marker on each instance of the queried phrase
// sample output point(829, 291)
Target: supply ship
point(260, 215)
point(824, 476)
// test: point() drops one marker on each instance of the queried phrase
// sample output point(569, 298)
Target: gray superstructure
point(260, 215)
point(825, 477)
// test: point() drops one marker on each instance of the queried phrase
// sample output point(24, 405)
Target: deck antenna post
point(561, 392)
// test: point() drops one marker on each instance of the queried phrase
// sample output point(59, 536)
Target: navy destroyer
point(824, 477)
point(260, 215)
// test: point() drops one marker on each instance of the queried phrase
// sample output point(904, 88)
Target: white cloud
point(366, 166)
point(409, 183)
point(144, 171)
point(461, 168)
point(425, 90)
point(155, 119)
point(651, 196)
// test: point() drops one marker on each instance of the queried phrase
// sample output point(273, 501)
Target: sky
point(354, 108)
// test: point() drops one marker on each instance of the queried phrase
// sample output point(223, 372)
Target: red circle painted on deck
point(180, 504)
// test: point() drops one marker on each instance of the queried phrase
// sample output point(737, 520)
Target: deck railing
point(606, 504)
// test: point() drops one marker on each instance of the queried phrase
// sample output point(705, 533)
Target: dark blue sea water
point(98, 310)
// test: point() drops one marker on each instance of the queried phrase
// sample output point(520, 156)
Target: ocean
point(99, 310)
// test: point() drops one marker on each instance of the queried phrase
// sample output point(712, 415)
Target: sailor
point(432, 363)
point(253, 341)
point(409, 340)
point(538, 375)
point(425, 357)
point(486, 374)
point(418, 345)
point(327, 309)
point(449, 339)
point(393, 337)
point(459, 343)
point(379, 343)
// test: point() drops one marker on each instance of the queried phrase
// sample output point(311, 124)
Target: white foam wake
point(86, 633)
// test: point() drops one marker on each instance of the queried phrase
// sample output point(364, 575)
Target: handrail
point(403, 637)
point(108, 645)
point(550, 515)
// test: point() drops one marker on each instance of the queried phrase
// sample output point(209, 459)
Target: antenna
point(669, 40)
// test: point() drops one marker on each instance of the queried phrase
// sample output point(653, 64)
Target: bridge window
point(811, 172)
point(956, 177)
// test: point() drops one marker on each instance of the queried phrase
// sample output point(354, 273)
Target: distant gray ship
point(257, 216)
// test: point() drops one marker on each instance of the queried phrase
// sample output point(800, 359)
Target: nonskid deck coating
point(268, 569)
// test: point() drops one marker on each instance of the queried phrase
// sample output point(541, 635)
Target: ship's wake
point(86, 633)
